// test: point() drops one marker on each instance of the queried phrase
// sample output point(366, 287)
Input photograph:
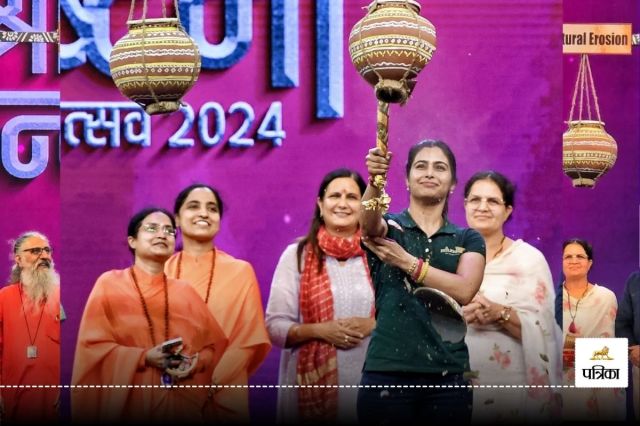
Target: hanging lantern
point(588, 151)
point(390, 46)
point(156, 62)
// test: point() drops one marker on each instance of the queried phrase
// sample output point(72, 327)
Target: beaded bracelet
point(413, 267)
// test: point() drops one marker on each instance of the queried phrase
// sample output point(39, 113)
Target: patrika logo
point(456, 251)
point(602, 354)
point(601, 363)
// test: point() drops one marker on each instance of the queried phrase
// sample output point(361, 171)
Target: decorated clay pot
point(588, 152)
point(155, 64)
point(390, 46)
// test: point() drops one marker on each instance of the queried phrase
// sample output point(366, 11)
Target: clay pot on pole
point(389, 47)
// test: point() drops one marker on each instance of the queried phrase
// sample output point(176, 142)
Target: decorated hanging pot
point(390, 46)
point(588, 152)
point(155, 64)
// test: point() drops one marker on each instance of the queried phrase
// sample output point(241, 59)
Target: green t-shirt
point(404, 339)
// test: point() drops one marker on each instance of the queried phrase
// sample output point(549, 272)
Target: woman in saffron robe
point(230, 290)
point(128, 316)
point(321, 306)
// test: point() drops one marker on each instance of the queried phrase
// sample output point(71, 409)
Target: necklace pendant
point(166, 380)
point(32, 352)
point(572, 327)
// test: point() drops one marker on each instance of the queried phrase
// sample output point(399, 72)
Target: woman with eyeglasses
point(588, 310)
point(146, 332)
point(229, 288)
point(512, 335)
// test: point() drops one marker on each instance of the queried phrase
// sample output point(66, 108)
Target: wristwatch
point(505, 314)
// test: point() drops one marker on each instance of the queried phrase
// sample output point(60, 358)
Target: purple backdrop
point(496, 91)
point(607, 216)
point(29, 204)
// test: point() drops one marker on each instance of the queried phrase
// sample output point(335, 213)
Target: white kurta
point(352, 297)
point(594, 317)
point(519, 278)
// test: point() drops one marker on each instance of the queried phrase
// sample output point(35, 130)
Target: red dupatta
point(317, 368)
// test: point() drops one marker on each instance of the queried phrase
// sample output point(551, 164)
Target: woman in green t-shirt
point(413, 373)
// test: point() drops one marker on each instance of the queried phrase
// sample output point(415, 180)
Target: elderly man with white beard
point(30, 333)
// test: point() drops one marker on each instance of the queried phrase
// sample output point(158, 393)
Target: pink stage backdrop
point(496, 91)
point(29, 97)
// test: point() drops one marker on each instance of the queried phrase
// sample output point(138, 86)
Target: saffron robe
point(114, 337)
point(236, 304)
point(29, 405)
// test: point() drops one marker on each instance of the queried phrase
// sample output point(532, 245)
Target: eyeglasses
point(474, 202)
point(152, 228)
point(37, 251)
point(575, 256)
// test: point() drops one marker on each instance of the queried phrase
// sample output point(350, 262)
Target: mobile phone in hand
point(170, 345)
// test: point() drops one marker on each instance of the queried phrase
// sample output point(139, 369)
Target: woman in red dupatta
point(320, 309)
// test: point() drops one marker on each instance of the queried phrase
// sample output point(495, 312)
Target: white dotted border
point(290, 386)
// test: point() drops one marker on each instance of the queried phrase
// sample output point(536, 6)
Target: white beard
point(38, 284)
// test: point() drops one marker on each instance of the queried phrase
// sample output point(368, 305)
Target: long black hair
point(317, 221)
